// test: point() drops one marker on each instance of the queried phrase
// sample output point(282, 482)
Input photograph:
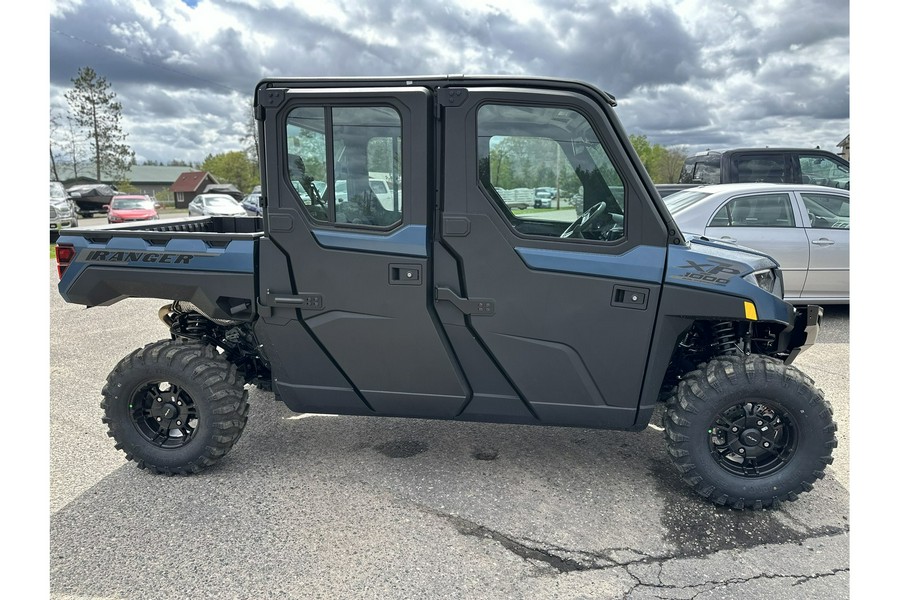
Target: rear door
point(564, 314)
point(358, 272)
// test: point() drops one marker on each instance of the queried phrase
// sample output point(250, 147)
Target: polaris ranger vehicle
point(438, 301)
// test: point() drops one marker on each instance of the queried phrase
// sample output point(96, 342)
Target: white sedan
point(806, 228)
point(209, 205)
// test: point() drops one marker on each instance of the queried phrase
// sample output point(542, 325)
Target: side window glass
point(364, 163)
point(366, 139)
point(760, 169)
point(687, 171)
point(548, 173)
point(722, 218)
point(707, 172)
point(821, 170)
point(760, 210)
point(306, 158)
point(827, 211)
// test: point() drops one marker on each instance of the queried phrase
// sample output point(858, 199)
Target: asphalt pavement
point(312, 506)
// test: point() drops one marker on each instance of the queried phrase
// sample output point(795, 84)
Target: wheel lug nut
point(159, 399)
point(759, 423)
point(741, 450)
point(179, 403)
point(159, 418)
point(734, 429)
point(766, 444)
point(178, 422)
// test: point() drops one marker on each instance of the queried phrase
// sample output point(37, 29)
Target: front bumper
point(804, 332)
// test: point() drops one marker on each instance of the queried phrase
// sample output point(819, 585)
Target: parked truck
point(767, 165)
point(442, 303)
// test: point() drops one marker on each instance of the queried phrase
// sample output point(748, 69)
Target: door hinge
point(301, 300)
point(468, 306)
point(452, 96)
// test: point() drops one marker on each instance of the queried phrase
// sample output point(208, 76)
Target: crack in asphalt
point(567, 560)
point(709, 586)
point(561, 564)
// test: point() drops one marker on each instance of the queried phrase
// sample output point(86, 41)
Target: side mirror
point(157, 205)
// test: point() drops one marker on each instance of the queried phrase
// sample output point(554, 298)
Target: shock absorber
point(724, 338)
point(194, 325)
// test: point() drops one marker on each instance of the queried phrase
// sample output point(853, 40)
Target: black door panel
point(572, 353)
point(362, 286)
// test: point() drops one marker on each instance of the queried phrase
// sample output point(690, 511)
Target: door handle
point(630, 297)
point(823, 242)
point(404, 274)
point(726, 238)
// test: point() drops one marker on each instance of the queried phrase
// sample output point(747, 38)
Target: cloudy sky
point(695, 73)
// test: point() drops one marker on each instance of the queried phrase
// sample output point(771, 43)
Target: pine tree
point(94, 107)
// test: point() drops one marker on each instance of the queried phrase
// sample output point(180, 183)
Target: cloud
point(689, 73)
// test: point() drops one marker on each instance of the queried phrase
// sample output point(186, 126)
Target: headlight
point(766, 279)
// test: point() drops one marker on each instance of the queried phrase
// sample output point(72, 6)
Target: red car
point(123, 209)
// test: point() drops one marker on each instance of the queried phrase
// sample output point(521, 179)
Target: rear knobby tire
point(749, 431)
point(175, 407)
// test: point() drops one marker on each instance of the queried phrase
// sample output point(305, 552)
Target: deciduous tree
point(232, 167)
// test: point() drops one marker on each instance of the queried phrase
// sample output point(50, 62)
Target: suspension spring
point(724, 338)
point(194, 325)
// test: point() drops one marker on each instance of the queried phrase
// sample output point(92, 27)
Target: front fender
point(719, 270)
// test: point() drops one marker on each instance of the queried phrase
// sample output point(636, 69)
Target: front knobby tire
point(175, 407)
point(749, 431)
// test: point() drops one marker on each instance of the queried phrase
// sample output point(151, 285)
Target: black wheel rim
point(164, 414)
point(753, 438)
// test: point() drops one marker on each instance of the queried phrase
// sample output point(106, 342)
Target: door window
point(709, 171)
point(827, 211)
point(358, 150)
point(760, 169)
point(760, 210)
point(821, 170)
point(548, 173)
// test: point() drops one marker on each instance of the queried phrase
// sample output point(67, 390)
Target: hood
point(728, 250)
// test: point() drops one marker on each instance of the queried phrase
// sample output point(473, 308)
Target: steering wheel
point(584, 222)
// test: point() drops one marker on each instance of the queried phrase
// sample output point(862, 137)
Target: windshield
point(220, 201)
point(57, 191)
point(131, 203)
point(681, 200)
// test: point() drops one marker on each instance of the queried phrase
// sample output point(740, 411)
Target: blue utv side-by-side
point(386, 276)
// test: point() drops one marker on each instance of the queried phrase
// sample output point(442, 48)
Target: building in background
point(845, 148)
point(189, 184)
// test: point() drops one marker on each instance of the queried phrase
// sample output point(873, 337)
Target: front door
point(560, 302)
point(348, 212)
point(828, 232)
